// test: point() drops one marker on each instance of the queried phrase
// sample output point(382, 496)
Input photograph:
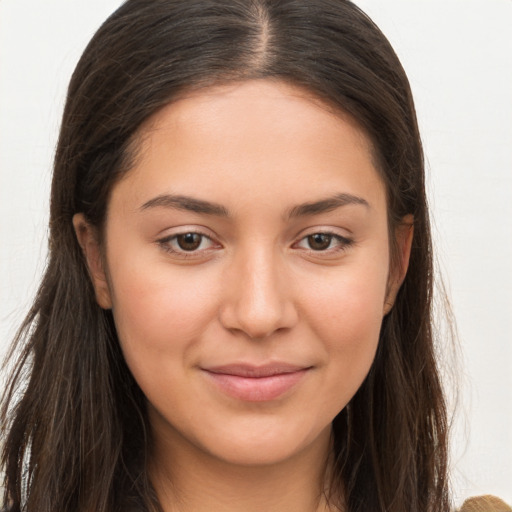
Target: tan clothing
point(485, 504)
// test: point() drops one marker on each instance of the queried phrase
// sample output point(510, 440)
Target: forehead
point(285, 107)
point(258, 138)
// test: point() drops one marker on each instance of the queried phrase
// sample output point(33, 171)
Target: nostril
point(258, 320)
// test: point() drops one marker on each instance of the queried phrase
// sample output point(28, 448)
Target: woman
point(236, 313)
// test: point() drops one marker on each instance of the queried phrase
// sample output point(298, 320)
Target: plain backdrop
point(458, 55)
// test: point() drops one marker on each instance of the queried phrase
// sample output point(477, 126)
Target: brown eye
point(188, 244)
point(189, 241)
point(319, 241)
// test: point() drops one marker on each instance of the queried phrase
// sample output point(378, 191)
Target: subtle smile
point(256, 383)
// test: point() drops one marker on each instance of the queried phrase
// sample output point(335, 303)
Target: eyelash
point(343, 243)
point(165, 244)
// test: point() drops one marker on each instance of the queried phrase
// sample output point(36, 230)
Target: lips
point(256, 383)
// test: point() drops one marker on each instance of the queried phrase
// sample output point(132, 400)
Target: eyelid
point(325, 230)
point(163, 242)
point(345, 242)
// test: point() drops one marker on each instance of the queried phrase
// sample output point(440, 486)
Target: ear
point(88, 239)
point(403, 239)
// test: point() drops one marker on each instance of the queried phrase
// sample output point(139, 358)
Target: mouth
point(256, 383)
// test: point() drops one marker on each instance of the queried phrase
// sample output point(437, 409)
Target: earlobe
point(88, 239)
point(403, 238)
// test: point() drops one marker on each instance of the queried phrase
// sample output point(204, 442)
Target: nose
point(257, 296)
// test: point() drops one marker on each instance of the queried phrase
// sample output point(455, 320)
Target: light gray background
point(458, 55)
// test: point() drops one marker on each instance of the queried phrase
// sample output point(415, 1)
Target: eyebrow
point(326, 205)
point(186, 203)
point(191, 204)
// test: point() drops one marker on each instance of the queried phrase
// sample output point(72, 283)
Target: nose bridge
point(257, 299)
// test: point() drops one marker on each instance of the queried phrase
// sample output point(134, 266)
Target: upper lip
point(255, 371)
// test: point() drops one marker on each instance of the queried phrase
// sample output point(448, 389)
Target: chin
point(263, 445)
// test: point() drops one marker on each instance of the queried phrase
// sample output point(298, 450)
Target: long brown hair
point(75, 423)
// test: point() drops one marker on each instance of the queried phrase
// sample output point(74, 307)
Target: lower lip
point(257, 389)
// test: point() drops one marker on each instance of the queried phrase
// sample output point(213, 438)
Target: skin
point(256, 290)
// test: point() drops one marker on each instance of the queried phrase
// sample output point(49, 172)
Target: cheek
point(159, 314)
point(347, 318)
point(349, 301)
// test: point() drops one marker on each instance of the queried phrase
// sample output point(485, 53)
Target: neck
point(188, 479)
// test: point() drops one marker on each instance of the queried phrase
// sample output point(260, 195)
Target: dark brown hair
point(76, 432)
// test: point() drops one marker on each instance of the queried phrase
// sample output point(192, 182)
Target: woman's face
point(247, 267)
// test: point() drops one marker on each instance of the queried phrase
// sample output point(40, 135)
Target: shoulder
point(485, 504)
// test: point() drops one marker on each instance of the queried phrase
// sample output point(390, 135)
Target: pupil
point(319, 241)
point(189, 241)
